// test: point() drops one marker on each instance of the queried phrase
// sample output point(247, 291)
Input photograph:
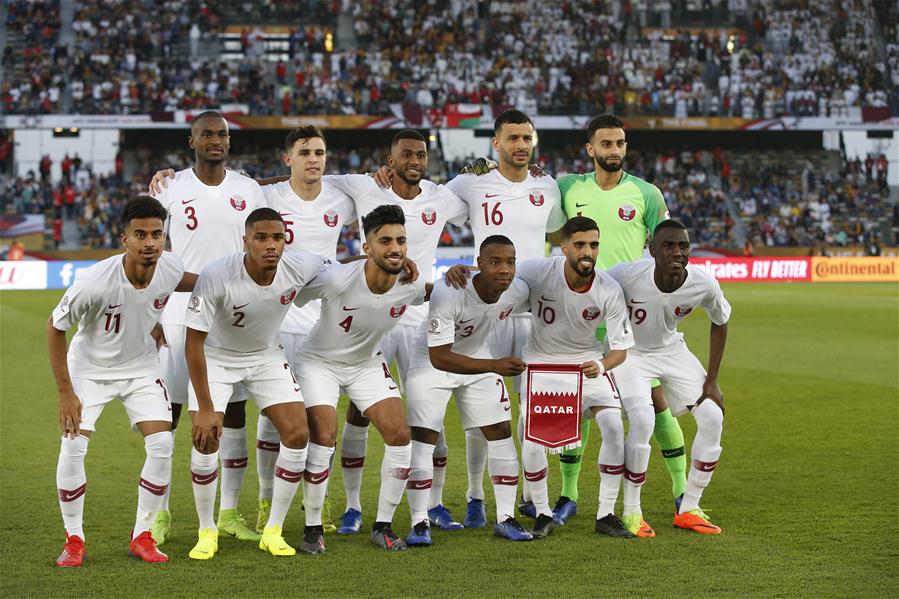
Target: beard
point(384, 265)
point(583, 271)
point(609, 168)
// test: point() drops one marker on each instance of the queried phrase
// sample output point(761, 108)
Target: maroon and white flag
point(553, 415)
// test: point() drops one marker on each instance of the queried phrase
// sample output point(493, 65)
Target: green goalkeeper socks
point(570, 464)
point(671, 441)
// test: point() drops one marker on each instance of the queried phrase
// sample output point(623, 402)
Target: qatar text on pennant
point(553, 417)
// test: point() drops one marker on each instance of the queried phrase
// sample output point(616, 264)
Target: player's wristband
point(602, 368)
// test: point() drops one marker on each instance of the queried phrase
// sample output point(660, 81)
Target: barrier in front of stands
point(37, 274)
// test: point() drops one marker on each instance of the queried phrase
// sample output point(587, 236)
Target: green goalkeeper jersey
point(626, 214)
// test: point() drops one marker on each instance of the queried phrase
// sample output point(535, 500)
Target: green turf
point(806, 491)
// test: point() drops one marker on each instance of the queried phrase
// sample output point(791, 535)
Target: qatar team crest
point(429, 216)
point(288, 296)
point(505, 314)
point(681, 311)
point(238, 203)
point(626, 212)
point(397, 310)
point(591, 313)
point(160, 302)
point(330, 218)
point(536, 198)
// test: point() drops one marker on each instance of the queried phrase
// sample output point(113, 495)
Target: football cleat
point(564, 510)
point(161, 529)
point(443, 519)
point(420, 535)
point(207, 544)
point(73, 553)
point(527, 509)
point(273, 542)
point(350, 522)
point(542, 526)
point(313, 541)
point(475, 517)
point(327, 520)
point(512, 530)
point(638, 526)
point(697, 521)
point(265, 508)
point(143, 547)
point(385, 538)
point(233, 524)
point(610, 525)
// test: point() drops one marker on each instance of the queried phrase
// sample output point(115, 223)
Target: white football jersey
point(462, 318)
point(564, 322)
point(426, 217)
point(241, 317)
point(313, 226)
point(205, 223)
point(654, 315)
point(114, 319)
point(353, 319)
point(523, 211)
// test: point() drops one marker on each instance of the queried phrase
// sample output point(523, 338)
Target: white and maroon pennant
point(553, 416)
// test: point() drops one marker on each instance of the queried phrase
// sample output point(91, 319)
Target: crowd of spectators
point(785, 57)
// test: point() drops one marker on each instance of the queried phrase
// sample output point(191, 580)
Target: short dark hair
point(407, 134)
point(209, 114)
point(513, 117)
point(606, 120)
point(262, 214)
point(305, 132)
point(143, 206)
point(671, 223)
point(578, 224)
point(385, 214)
point(495, 240)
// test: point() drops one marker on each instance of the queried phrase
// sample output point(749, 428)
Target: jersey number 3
point(191, 214)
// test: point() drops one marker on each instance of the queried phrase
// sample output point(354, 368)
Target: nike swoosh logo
point(546, 299)
point(241, 306)
point(464, 321)
point(576, 205)
point(633, 301)
point(349, 309)
point(183, 202)
point(111, 307)
point(492, 195)
point(392, 388)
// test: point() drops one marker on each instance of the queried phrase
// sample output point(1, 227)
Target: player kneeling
point(659, 294)
point(233, 319)
point(451, 356)
point(116, 304)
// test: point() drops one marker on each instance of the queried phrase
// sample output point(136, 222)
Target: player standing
point(314, 213)
point(626, 209)
point(233, 320)
point(659, 294)
point(115, 304)
point(364, 300)
point(451, 357)
point(207, 206)
point(568, 299)
point(427, 207)
point(507, 201)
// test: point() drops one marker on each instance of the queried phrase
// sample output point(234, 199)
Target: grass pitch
point(806, 491)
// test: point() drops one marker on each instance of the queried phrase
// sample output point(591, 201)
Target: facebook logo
point(61, 275)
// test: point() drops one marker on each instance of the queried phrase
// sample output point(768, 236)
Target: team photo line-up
point(251, 303)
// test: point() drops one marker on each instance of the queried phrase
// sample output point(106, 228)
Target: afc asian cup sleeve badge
point(536, 198)
point(160, 302)
point(288, 296)
point(591, 313)
point(64, 304)
point(397, 310)
point(434, 326)
point(195, 304)
point(681, 311)
point(330, 217)
point(429, 216)
point(238, 203)
point(627, 212)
